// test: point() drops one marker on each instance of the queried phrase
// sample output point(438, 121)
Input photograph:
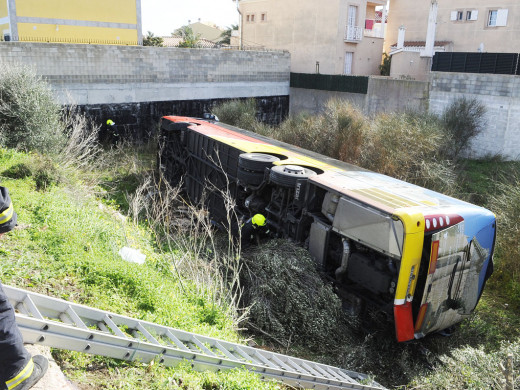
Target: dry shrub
point(198, 253)
point(507, 256)
point(409, 146)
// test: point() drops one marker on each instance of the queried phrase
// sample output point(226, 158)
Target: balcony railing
point(353, 33)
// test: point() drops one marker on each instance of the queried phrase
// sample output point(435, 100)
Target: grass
point(66, 246)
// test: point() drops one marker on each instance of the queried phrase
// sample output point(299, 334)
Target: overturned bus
point(420, 256)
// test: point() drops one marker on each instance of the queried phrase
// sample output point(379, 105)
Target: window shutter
point(502, 17)
point(474, 14)
point(453, 15)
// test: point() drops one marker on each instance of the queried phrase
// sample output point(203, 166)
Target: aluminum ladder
point(60, 324)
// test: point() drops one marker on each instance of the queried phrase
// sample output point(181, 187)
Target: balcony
point(353, 34)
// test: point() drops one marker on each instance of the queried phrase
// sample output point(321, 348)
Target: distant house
point(207, 30)
point(73, 21)
point(175, 41)
point(476, 26)
point(335, 37)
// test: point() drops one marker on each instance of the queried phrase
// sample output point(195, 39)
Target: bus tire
point(288, 175)
point(249, 178)
point(256, 162)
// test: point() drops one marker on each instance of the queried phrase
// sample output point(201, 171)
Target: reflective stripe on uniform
point(23, 375)
point(7, 214)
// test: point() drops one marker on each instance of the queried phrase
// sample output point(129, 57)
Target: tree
point(152, 40)
point(225, 37)
point(189, 38)
point(384, 68)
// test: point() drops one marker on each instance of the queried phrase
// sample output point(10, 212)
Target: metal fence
point(325, 82)
point(495, 63)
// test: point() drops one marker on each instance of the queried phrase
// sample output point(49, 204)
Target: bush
point(240, 113)
point(29, 116)
point(288, 299)
point(463, 120)
point(409, 146)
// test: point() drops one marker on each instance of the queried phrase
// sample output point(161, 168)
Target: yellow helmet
point(258, 219)
point(110, 122)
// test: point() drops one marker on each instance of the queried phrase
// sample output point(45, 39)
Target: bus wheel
point(249, 178)
point(256, 162)
point(287, 175)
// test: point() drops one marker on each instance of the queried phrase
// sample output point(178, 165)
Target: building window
point(472, 15)
point(263, 18)
point(349, 55)
point(492, 20)
point(247, 18)
point(250, 18)
point(497, 18)
point(457, 16)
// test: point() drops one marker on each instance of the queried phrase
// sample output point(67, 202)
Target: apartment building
point(72, 21)
point(331, 37)
point(461, 26)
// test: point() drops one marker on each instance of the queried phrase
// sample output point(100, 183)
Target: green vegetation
point(151, 40)
point(189, 38)
point(79, 204)
point(29, 116)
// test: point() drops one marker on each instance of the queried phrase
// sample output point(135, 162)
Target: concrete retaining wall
point(97, 74)
point(384, 95)
point(500, 94)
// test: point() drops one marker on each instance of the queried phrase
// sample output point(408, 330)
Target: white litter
point(132, 255)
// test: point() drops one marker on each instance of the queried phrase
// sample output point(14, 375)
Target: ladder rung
point(75, 318)
point(177, 342)
point(223, 349)
point(111, 324)
point(32, 308)
point(147, 334)
point(202, 346)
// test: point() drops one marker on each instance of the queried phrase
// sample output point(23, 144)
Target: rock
point(53, 378)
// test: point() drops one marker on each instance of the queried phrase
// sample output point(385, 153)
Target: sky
point(162, 17)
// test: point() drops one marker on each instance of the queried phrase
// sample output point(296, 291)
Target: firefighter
point(253, 229)
point(18, 370)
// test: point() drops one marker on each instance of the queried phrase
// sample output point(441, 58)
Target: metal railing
point(353, 33)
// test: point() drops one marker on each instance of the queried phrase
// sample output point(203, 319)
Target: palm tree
point(225, 37)
point(152, 40)
point(189, 38)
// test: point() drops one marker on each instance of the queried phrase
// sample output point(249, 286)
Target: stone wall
point(500, 94)
point(136, 85)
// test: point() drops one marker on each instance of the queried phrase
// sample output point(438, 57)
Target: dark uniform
point(17, 369)
point(253, 229)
